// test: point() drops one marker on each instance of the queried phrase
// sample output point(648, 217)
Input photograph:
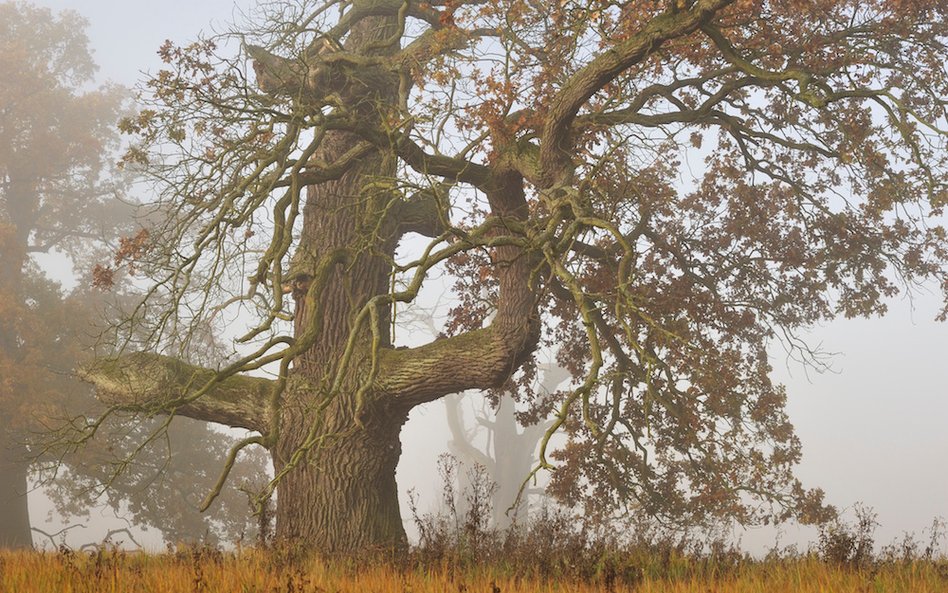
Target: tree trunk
point(15, 529)
point(20, 214)
point(514, 452)
point(334, 433)
point(340, 496)
point(343, 497)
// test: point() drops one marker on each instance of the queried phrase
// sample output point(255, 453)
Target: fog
point(874, 429)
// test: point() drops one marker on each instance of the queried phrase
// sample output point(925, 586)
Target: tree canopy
point(656, 191)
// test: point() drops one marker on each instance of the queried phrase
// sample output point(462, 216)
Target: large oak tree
point(661, 189)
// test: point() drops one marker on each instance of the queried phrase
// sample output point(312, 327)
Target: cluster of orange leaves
point(130, 251)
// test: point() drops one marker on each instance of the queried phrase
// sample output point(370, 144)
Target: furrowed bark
point(155, 383)
point(337, 447)
point(343, 497)
point(480, 359)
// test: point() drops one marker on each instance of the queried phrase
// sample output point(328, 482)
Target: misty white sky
point(875, 430)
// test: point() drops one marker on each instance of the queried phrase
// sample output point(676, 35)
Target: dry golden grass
point(252, 572)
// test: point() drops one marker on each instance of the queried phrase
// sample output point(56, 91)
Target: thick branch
point(453, 169)
point(425, 212)
point(311, 77)
point(275, 74)
point(486, 357)
point(587, 81)
point(480, 359)
point(321, 172)
point(145, 382)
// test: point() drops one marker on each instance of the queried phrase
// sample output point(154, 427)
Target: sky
point(874, 429)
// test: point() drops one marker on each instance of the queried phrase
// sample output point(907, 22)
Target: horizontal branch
point(152, 383)
point(480, 359)
point(425, 212)
point(315, 173)
point(450, 168)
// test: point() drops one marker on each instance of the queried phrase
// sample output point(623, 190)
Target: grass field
point(197, 571)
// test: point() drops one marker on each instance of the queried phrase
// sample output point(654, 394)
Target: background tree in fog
point(487, 431)
point(332, 157)
point(54, 136)
point(59, 196)
point(489, 438)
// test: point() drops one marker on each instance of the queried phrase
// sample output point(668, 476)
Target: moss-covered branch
point(587, 81)
point(156, 384)
point(425, 212)
point(485, 357)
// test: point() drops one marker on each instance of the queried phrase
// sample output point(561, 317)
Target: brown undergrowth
point(249, 571)
point(552, 553)
point(458, 552)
